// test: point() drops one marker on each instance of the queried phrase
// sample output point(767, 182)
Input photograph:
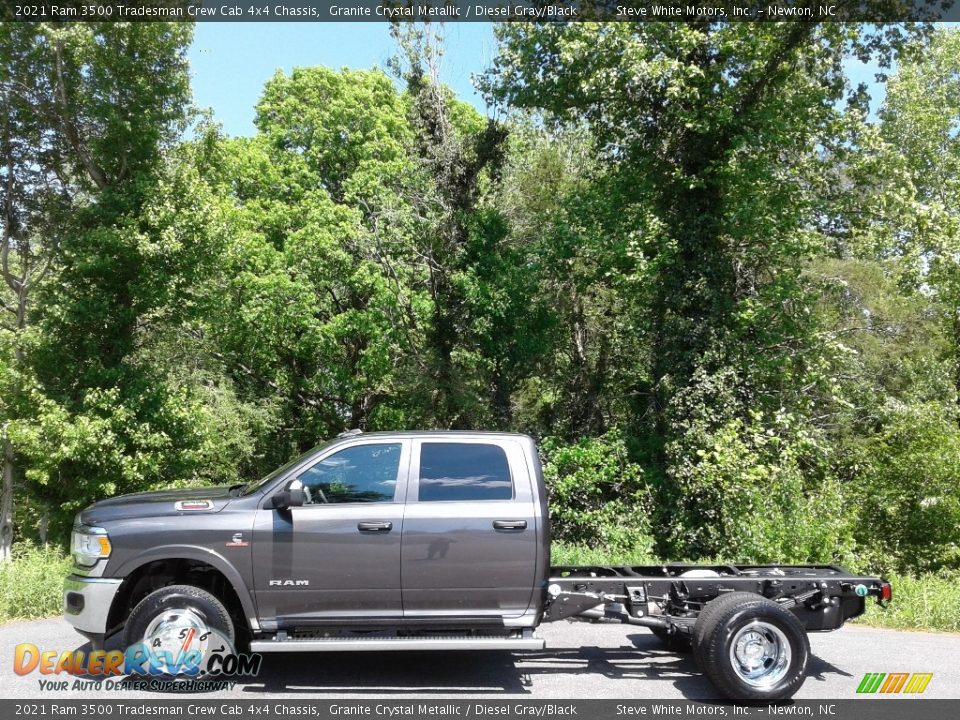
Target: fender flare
point(200, 554)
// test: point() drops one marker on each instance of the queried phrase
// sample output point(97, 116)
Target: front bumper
point(87, 601)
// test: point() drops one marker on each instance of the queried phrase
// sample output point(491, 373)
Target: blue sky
point(231, 61)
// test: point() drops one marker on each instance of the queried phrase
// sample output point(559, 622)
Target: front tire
point(751, 648)
point(172, 617)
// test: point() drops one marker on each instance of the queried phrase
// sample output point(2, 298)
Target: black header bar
point(259, 706)
point(874, 11)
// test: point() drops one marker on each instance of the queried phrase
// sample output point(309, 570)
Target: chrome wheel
point(175, 632)
point(760, 654)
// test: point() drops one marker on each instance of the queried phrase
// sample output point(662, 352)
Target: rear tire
point(751, 648)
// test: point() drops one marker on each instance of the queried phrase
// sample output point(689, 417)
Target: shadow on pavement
point(818, 670)
point(478, 673)
point(472, 673)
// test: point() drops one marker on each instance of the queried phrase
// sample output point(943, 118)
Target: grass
point(929, 602)
point(567, 554)
point(31, 585)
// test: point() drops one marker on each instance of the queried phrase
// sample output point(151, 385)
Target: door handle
point(509, 524)
point(375, 526)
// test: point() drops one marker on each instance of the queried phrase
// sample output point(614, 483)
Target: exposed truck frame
point(746, 624)
point(670, 597)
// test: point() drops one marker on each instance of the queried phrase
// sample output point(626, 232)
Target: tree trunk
point(502, 410)
point(956, 361)
point(43, 527)
point(443, 337)
point(6, 501)
point(586, 383)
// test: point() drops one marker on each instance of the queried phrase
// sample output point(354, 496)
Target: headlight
point(89, 544)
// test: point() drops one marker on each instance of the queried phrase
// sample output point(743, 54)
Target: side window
point(463, 471)
point(365, 473)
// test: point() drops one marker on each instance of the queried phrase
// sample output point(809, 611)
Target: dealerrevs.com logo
point(894, 683)
point(173, 658)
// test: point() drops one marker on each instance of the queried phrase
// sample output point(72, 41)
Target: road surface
point(581, 661)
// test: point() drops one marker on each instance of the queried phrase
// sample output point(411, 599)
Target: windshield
point(257, 485)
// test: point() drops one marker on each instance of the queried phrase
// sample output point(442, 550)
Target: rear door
point(338, 556)
point(469, 532)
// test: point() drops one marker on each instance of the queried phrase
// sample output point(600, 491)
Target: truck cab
point(412, 528)
point(399, 530)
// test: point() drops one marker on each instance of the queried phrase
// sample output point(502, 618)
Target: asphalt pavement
point(582, 660)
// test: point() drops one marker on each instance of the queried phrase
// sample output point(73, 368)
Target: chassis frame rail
point(670, 596)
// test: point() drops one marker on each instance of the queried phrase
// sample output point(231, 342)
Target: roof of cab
point(356, 434)
point(431, 433)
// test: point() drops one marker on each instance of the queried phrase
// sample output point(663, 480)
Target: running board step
point(397, 643)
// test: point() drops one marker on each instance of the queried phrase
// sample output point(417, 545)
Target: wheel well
point(176, 571)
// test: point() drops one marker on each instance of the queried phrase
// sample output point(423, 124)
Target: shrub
point(562, 553)
point(904, 482)
point(31, 584)
point(754, 492)
point(598, 497)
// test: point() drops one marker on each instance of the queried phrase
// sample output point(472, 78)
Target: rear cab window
point(465, 472)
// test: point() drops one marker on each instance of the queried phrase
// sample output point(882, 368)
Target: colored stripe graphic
point(893, 683)
point(870, 682)
point(918, 683)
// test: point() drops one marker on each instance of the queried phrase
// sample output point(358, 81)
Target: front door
point(470, 530)
point(338, 556)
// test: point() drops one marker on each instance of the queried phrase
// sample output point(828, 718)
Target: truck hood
point(193, 501)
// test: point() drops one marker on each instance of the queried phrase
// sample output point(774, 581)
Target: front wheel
point(176, 629)
point(751, 648)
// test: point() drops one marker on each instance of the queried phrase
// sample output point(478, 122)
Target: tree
point(91, 108)
point(570, 230)
point(318, 308)
point(903, 180)
point(711, 133)
point(893, 306)
point(458, 154)
point(32, 198)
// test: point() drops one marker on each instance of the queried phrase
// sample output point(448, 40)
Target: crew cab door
point(337, 556)
point(470, 530)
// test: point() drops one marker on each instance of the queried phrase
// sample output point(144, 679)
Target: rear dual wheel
point(750, 647)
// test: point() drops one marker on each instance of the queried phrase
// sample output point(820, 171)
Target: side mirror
point(296, 495)
point(286, 499)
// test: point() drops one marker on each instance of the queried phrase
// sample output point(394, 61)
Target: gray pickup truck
point(423, 541)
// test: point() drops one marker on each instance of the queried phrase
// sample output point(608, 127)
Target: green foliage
point(564, 553)
point(759, 351)
point(111, 416)
point(115, 222)
point(904, 483)
point(752, 491)
point(316, 312)
point(598, 497)
point(31, 584)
